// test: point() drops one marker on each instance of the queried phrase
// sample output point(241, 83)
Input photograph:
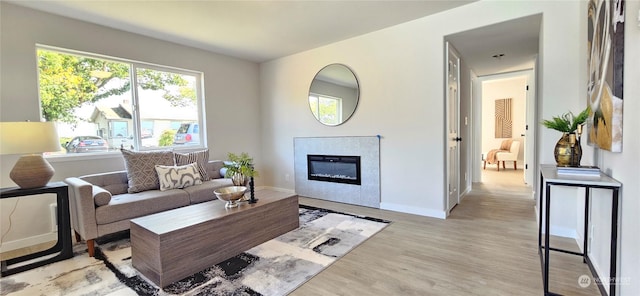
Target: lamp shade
point(28, 137)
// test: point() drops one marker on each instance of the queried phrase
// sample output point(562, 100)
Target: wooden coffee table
point(169, 246)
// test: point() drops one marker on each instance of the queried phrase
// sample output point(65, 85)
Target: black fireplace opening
point(334, 168)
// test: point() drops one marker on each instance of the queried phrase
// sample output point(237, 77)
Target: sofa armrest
point(82, 208)
point(213, 168)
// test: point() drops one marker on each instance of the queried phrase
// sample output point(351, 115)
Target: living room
point(401, 79)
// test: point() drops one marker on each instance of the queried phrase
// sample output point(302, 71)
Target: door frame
point(531, 122)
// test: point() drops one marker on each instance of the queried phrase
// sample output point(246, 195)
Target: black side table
point(63, 247)
point(549, 177)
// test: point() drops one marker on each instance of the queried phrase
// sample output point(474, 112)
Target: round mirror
point(333, 95)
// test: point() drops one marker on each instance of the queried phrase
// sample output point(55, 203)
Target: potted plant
point(568, 151)
point(239, 168)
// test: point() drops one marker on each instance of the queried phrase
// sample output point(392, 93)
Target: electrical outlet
point(286, 177)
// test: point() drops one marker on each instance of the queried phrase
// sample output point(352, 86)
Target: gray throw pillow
point(176, 177)
point(201, 158)
point(141, 172)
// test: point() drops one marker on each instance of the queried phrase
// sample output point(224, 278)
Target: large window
point(326, 109)
point(117, 103)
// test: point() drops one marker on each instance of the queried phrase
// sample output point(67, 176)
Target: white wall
point(465, 132)
point(400, 70)
point(502, 88)
point(231, 89)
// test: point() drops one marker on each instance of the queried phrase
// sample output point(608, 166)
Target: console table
point(63, 247)
point(549, 177)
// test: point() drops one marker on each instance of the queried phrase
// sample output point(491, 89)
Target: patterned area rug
point(276, 267)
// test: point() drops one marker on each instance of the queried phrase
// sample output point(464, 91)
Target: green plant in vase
point(239, 168)
point(568, 150)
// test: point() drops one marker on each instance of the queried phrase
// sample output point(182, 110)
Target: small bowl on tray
point(231, 195)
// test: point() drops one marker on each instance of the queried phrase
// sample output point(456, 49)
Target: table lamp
point(30, 139)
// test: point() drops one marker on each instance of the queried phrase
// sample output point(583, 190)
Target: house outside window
point(97, 96)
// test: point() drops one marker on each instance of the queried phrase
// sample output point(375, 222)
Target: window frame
point(136, 120)
point(319, 96)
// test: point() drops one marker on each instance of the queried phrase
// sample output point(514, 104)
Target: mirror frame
point(357, 97)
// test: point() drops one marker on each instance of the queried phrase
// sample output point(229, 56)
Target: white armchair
point(496, 156)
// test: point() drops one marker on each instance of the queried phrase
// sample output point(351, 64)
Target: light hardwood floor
point(487, 246)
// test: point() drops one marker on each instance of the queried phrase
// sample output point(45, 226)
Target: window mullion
point(135, 106)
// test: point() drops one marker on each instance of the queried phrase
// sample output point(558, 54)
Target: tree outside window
point(326, 109)
point(87, 95)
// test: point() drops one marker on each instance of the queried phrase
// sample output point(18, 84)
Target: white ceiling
point(264, 30)
point(517, 39)
point(253, 30)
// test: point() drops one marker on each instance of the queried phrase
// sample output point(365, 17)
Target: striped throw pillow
point(201, 158)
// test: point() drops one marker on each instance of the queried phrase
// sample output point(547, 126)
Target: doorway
point(496, 51)
point(504, 100)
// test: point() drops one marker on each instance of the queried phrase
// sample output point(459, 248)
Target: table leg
point(546, 240)
point(614, 244)
point(586, 224)
point(540, 212)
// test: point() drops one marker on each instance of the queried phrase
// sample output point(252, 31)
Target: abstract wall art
point(605, 44)
point(504, 121)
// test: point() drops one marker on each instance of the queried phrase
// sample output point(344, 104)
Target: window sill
point(55, 158)
point(59, 158)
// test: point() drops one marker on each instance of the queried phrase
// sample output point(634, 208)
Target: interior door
point(452, 114)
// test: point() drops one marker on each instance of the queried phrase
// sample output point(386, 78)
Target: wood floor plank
point(488, 246)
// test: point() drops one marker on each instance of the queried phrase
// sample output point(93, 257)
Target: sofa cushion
point(199, 157)
point(204, 192)
point(177, 177)
point(128, 206)
point(101, 196)
point(141, 172)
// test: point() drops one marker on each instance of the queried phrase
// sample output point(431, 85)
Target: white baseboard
point(277, 189)
point(413, 210)
point(557, 230)
point(563, 232)
point(28, 241)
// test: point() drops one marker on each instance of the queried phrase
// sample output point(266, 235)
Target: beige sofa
point(90, 219)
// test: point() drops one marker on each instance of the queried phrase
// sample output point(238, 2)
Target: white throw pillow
point(175, 177)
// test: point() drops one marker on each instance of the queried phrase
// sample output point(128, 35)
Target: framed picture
point(504, 122)
point(605, 43)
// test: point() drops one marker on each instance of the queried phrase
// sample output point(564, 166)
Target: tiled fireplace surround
point(368, 148)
